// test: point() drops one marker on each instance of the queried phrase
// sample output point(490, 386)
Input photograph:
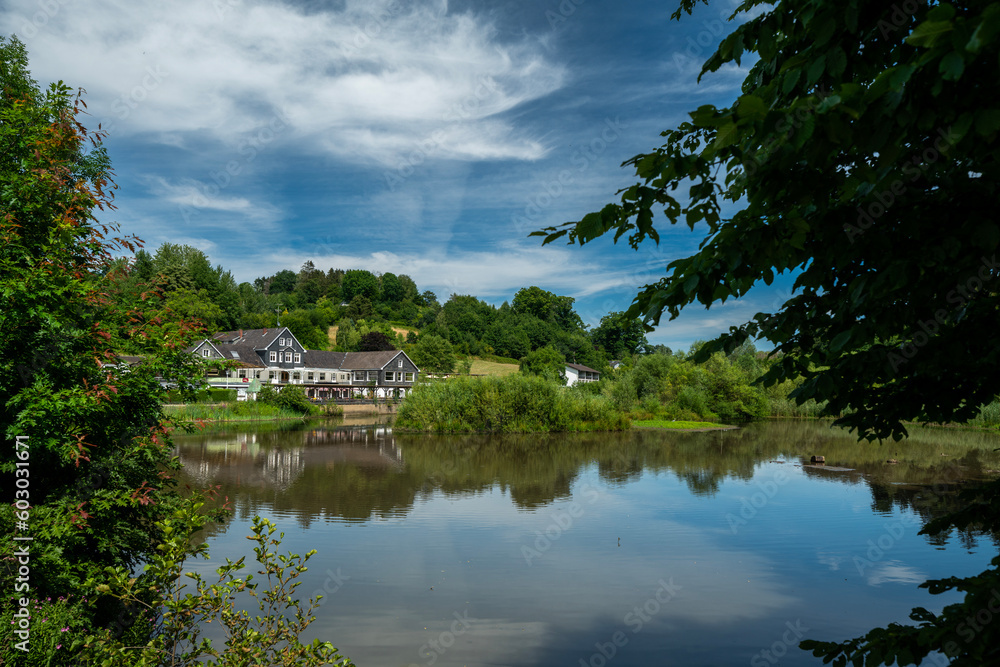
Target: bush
point(290, 397)
point(509, 404)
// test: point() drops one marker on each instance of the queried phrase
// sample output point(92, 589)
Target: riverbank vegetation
point(509, 404)
point(96, 531)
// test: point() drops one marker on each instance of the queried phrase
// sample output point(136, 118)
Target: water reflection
point(543, 550)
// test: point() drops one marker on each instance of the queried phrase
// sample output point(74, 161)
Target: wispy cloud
point(363, 82)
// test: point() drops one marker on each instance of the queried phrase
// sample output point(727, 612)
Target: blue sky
point(425, 138)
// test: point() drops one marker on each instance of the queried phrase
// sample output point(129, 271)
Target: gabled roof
point(244, 353)
point(581, 367)
point(257, 339)
point(322, 359)
point(366, 360)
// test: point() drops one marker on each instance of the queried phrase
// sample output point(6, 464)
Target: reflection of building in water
point(372, 447)
point(274, 461)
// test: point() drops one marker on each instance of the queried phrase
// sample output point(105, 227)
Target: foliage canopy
point(861, 157)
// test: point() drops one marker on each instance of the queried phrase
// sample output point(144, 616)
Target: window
point(399, 364)
point(205, 352)
point(359, 376)
point(257, 375)
point(281, 342)
point(270, 375)
point(298, 358)
point(296, 376)
point(243, 373)
point(322, 376)
point(309, 376)
point(274, 357)
point(390, 376)
point(409, 377)
point(288, 356)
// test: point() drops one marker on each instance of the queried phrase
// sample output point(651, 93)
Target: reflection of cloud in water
point(894, 572)
point(832, 561)
point(405, 634)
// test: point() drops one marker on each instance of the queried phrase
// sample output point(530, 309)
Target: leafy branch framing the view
point(271, 638)
point(861, 157)
point(860, 130)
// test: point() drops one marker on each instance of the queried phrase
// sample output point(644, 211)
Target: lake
point(639, 548)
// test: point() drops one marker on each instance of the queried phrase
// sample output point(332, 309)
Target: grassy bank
point(678, 425)
point(508, 404)
point(245, 411)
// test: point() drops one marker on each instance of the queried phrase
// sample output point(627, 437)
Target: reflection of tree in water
point(357, 473)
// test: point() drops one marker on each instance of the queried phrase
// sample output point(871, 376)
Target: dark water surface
point(645, 548)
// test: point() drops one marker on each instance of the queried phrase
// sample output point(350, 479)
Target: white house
point(580, 373)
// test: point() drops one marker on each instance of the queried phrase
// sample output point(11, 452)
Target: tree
point(862, 157)
point(94, 438)
point(359, 308)
point(620, 335)
point(375, 341)
point(433, 353)
point(390, 288)
point(359, 283)
point(545, 362)
point(860, 129)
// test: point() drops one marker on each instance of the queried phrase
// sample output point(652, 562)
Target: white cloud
point(367, 83)
point(195, 199)
point(894, 572)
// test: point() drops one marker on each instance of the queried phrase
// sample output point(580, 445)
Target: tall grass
point(241, 411)
point(508, 404)
point(989, 416)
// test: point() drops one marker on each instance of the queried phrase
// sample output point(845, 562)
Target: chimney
point(241, 335)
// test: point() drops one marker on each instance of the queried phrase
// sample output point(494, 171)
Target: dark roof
point(257, 339)
point(370, 359)
point(581, 367)
point(244, 353)
point(322, 359)
point(252, 340)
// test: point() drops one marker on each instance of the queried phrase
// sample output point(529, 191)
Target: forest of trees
point(365, 307)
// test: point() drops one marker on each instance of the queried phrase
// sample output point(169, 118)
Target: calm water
point(646, 548)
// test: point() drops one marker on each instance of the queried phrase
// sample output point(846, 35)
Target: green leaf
point(952, 66)
point(751, 106)
point(928, 33)
point(725, 135)
point(815, 70)
point(840, 340)
point(691, 284)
